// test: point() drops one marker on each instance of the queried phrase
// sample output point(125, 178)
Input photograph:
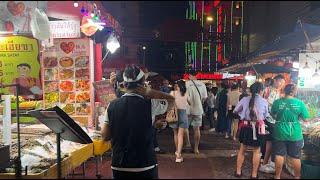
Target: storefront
point(59, 72)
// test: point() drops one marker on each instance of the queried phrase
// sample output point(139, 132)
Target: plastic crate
point(310, 170)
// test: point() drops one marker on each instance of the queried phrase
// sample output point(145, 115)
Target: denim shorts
point(290, 148)
point(195, 120)
point(182, 120)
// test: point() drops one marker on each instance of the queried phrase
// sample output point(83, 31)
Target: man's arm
point(106, 136)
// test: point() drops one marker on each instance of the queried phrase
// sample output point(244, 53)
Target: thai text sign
point(19, 64)
point(65, 29)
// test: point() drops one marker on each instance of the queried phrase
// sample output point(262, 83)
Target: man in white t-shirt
point(197, 93)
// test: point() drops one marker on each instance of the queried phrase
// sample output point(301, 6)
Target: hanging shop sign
point(15, 15)
point(65, 29)
point(309, 71)
point(19, 63)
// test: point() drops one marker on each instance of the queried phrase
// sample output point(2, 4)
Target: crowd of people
point(264, 118)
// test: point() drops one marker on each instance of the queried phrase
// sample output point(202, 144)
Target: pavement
point(217, 160)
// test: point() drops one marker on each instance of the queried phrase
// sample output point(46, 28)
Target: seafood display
point(69, 109)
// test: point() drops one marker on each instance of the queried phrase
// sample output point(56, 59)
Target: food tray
point(81, 155)
point(100, 147)
point(50, 173)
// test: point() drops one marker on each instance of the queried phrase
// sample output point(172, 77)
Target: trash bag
point(40, 25)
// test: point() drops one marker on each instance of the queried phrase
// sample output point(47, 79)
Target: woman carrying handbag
point(179, 127)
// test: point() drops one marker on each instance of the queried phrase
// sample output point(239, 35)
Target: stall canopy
point(283, 43)
point(264, 68)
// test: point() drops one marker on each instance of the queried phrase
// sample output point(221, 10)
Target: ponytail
point(255, 88)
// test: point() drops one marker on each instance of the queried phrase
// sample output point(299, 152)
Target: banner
point(309, 71)
point(15, 15)
point(19, 63)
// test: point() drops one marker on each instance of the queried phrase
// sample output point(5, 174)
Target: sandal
point(180, 159)
point(238, 175)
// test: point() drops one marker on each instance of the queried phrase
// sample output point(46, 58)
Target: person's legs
point(280, 151)
point(294, 151)
point(210, 118)
point(196, 139)
point(240, 158)
point(255, 161)
point(235, 128)
point(175, 137)
point(267, 154)
point(279, 164)
point(196, 123)
point(179, 144)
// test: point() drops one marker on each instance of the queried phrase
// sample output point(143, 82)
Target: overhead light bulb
point(75, 4)
point(237, 5)
point(112, 43)
point(144, 48)
point(209, 18)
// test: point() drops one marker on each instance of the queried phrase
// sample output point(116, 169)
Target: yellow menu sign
point(19, 63)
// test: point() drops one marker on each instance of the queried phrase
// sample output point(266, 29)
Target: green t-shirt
point(287, 112)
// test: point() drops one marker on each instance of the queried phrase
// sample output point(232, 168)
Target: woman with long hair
point(252, 110)
point(181, 100)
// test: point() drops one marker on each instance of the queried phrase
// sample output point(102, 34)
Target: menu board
point(66, 76)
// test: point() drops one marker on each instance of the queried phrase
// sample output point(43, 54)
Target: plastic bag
point(40, 25)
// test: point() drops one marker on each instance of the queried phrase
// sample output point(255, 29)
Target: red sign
point(214, 76)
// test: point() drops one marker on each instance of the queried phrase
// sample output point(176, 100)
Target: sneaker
point(226, 137)
point(212, 130)
point(272, 165)
point(266, 169)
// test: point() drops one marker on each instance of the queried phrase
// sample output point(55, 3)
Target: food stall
point(61, 72)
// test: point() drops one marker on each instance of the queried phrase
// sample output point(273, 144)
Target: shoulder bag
point(172, 114)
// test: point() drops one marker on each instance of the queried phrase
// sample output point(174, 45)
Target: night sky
point(163, 57)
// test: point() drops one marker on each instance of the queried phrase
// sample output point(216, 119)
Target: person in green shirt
point(287, 132)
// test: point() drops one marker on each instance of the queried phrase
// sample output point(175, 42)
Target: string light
point(76, 4)
point(82, 10)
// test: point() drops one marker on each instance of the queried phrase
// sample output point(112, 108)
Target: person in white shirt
point(233, 99)
point(197, 92)
point(181, 100)
point(211, 101)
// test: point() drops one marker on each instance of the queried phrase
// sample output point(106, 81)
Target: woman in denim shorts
point(181, 100)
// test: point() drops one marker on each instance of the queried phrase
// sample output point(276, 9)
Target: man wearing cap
point(129, 125)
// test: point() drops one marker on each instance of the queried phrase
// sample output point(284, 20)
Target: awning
point(282, 44)
point(295, 39)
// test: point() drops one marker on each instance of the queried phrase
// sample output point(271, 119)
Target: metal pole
point(18, 130)
point(144, 58)
point(59, 156)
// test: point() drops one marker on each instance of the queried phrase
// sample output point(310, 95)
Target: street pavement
point(217, 160)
